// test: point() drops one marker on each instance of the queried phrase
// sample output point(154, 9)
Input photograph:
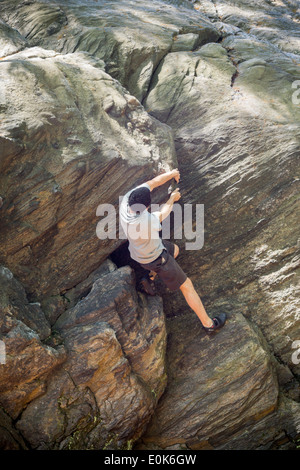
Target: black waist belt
point(156, 259)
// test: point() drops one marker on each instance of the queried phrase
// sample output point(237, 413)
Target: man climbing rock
point(155, 254)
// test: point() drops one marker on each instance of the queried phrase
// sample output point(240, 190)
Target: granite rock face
point(95, 98)
point(102, 366)
point(228, 376)
point(236, 126)
point(235, 116)
point(131, 38)
point(70, 135)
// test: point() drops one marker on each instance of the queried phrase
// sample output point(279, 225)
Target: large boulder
point(235, 119)
point(236, 133)
point(95, 382)
point(216, 386)
point(92, 94)
point(28, 361)
point(70, 135)
point(132, 38)
point(270, 21)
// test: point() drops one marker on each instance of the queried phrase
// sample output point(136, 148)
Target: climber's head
point(140, 199)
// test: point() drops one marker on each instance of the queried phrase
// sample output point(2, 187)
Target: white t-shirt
point(142, 231)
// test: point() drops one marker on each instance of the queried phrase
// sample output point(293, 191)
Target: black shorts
point(167, 267)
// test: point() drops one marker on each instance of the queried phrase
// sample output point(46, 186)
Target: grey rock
point(131, 38)
point(237, 139)
point(114, 372)
point(228, 375)
point(11, 41)
point(221, 79)
point(10, 439)
point(57, 99)
point(27, 364)
point(13, 299)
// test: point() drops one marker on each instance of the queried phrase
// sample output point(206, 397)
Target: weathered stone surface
point(11, 41)
point(278, 430)
point(28, 361)
point(114, 373)
point(229, 379)
point(237, 140)
point(13, 300)
point(274, 21)
point(137, 322)
point(131, 38)
point(62, 155)
point(236, 125)
point(74, 134)
point(9, 437)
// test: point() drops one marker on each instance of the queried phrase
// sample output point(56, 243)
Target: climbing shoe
point(147, 286)
point(218, 322)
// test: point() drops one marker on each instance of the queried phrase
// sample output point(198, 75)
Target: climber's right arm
point(162, 179)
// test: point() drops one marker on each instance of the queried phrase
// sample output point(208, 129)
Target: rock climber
point(155, 254)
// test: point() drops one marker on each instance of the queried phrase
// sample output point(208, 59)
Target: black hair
point(140, 197)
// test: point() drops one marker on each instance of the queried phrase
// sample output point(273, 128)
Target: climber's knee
point(176, 250)
point(187, 285)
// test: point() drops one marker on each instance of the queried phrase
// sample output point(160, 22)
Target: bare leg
point(194, 301)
